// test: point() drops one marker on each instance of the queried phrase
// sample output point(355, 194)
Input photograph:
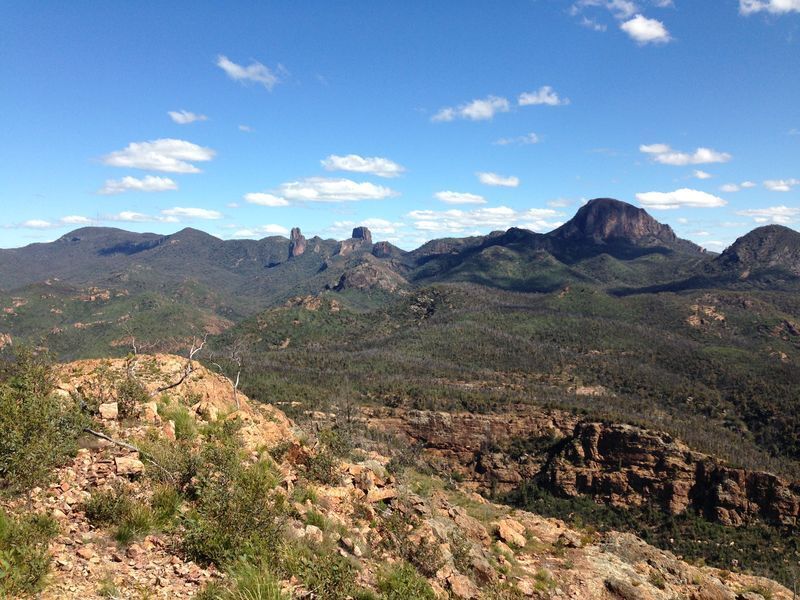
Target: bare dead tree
point(233, 356)
point(128, 446)
point(188, 369)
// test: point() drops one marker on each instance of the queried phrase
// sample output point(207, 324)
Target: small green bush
point(24, 559)
point(38, 430)
point(130, 394)
point(234, 512)
point(403, 582)
point(131, 517)
point(322, 570)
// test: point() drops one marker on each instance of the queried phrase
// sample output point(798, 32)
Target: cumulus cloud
point(776, 7)
point(246, 128)
point(180, 212)
point(456, 221)
point(521, 140)
point(497, 180)
point(264, 199)
point(129, 216)
point(167, 155)
point(255, 72)
point(374, 165)
point(735, 187)
point(646, 31)
point(477, 110)
point(781, 185)
point(681, 198)
point(544, 95)
point(70, 220)
point(149, 183)
point(621, 9)
point(772, 214)
point(449, 197)
point(698, 174)
point(184, 117)
point(262, 230)
point(664, 154)
point(323, 189)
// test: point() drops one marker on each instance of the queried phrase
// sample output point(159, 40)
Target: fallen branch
point(128, 446)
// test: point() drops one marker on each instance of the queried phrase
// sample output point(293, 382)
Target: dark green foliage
point(246, 581)
point(234, 512)
point(130, 394)
point(24, 559)
point(403, 582)
point(322, 570)
point(131, 517)
point(397, 528)
point(38, 430)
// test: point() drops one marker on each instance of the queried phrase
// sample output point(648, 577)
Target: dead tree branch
point(128, 446)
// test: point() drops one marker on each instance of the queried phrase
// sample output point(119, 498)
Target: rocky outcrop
point(772, 246)
point(621, 465)
point(362, 233)
point(369, 274)
point(604, 220)
point(628, 466)
point(297, 243)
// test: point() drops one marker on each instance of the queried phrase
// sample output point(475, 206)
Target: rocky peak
point(764, 247)
point(297, 242)
point(605, 219)
point(362, 233)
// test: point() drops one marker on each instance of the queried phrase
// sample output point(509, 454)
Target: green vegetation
point(402, 582)
point(24, 560)
point(758, 548)
point(38, 429)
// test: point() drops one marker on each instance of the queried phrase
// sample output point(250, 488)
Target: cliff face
point(297, 243)
point(620, 465)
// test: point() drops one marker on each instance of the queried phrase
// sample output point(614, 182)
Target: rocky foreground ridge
point(622, 465)
point(465, 546)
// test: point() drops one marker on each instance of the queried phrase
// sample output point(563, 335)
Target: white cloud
point(168, 155)
point(263, 230)
point(592, 24)
point(75, 220)
point(254, 72)
point(36, 224)
point(664, 154)
point(70, 220)
point(457, 221)
point(683, 197)
point(477, 110)
point(129, 216)
point(459, 198)
point(246, 128)
point(544, 95)
point(773, 214)
point(191, 213)
point(498, 180)
point(777, 7)
point(560, 203)
point(621, 9)
point(698, 174)
point(735, 187)
point(374, 165)
point(781, 185)
point(149, 183)
point(522, 140)
point(184, 117)
point(323, 189)
point(646, 31)
point(263, 199)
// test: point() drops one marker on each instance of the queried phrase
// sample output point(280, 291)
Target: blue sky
point(418, 119)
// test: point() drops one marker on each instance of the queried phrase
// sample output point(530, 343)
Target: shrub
point(38, 430)
point(246, 581)
point(130, 394)
point(322, 570)
point(397, 528)
point(24, 560)
point(234, 512)
point(132, 517)
point(403, 582)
